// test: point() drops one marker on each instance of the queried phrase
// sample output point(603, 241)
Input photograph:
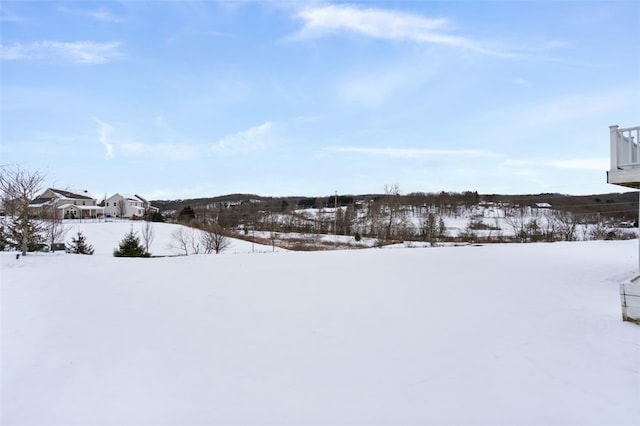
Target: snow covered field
point(520, 334)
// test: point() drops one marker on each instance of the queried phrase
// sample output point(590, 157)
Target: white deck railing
point(625, 149)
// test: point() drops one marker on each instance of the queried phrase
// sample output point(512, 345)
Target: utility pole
point(335, 215)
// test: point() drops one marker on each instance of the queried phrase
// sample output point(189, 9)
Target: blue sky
point(190, 99)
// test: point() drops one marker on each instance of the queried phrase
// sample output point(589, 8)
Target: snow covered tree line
point(434, 218)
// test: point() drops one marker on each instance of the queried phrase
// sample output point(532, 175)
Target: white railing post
point(613, 136)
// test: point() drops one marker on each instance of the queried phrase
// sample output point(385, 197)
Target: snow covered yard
point(526, 334)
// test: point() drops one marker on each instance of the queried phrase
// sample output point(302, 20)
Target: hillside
point(434, 218)
point(618, 205)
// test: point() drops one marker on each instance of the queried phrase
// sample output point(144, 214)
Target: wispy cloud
point(104, 133)
point(132, 148)
point(582, 164)
point(388, 25)
point(245, 141)
point(191, 31)
point(412, 153)
point(104, 15)
point(522, 82)
point(79, 52)
point(166, 150)
point(574, 107)
point(8, 16)
point(375, 87)
point(100, 14)
point(598, 164)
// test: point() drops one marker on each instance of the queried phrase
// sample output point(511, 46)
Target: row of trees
point(391, 217)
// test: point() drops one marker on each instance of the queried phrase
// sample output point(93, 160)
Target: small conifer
point(130, 247)
point(79, 245)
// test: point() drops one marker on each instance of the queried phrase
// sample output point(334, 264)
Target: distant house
point(67, 204)
point(543, 205)
point(128, 206)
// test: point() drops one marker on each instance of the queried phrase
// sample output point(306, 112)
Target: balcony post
point(613, 137)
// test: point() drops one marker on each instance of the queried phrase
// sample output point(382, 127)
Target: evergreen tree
point(3, 237)
point(186, 214)
point(130, 247)
point(156, 217)
point(25, 234)
point(79, 245)
point(17, 188)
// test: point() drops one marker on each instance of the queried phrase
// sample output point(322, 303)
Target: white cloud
point(104, 15)
point(104, 132)
point(518, 163)
point(582, 164)
point(245, 141)
point(574, 107)
point(373, 89)
point(171, 151)
point(599, 164)
point(387, 25)
point(101, 14)
point(7, 16)
point(79, 52)
point(523, 82)
point(411, 153)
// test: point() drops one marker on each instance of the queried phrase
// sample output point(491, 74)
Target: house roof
point(39, 202)
point(79, 194)
point(127, 196)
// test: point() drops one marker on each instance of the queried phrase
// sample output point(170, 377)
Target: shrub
point(79, 245)
point(130, 247)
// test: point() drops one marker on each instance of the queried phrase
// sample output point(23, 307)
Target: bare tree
point(393, 201)
point(432, 229)
point(516, 218)
point(52, 224)
point(122, 208)
point(565, 223)
point(194, 241)
point(180, 240)
point(214, 239)
point(599, 230)
point(18, 188)
point(148, 234)
point(186, 240)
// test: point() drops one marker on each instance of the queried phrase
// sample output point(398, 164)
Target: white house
point(127, 206)
point(67, 204)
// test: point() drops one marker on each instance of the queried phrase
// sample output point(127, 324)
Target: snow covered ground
point(519, 334)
